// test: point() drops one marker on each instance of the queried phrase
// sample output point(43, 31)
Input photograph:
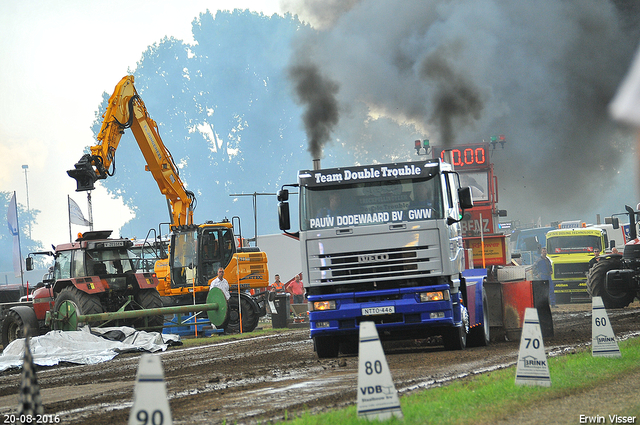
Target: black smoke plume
point(540, 72)
point(318, 95)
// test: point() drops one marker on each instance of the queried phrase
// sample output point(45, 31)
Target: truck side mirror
point(612, 244)
point(283, 215)
point(283, 195)
point(613, 221)
point(29, 263)
point(466, 199)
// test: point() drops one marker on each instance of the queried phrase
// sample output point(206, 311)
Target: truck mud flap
point(541, 303)
point(494, 310)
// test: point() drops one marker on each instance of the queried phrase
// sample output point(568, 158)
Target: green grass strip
point(493, 396)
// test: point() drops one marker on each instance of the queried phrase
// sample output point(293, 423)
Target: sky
point(57, 59)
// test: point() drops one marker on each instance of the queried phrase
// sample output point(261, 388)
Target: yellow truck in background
point(571, 248)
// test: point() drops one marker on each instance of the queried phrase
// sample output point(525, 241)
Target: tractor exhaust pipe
point(316, 164)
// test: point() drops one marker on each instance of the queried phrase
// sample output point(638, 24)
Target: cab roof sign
point(370, 173)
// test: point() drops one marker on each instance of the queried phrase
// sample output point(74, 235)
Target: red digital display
point(466, 156)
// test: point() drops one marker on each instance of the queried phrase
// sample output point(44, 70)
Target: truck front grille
point(367, 265)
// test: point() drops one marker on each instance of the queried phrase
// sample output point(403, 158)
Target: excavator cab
point(197, 252)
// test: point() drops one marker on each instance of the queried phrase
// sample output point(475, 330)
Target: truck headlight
point(323, 305)
point(434, 296)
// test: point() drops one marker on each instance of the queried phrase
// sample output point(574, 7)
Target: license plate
point(372, 311)
point(113, 244)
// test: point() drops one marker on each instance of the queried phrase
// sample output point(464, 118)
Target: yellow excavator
point(195, 251)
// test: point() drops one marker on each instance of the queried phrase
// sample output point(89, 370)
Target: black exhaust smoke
point(318, 94)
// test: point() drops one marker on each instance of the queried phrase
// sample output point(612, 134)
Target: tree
point(224, 111)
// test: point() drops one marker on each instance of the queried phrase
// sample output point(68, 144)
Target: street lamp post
point(26, 183)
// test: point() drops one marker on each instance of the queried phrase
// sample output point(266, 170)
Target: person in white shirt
point(221, 282)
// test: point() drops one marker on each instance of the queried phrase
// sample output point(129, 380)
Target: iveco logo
point(372, 258)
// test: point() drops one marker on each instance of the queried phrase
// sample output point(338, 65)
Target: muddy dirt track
point(258, 379)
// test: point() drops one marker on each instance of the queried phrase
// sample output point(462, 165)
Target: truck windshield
point(368, 203)
point(573, 244)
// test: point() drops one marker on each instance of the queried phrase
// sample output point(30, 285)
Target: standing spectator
point(542, 271)
point(277, 286)
point(595, 259)
point(221, 282)
point(296, 289)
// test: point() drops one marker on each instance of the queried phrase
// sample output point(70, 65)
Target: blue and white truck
point(383, 243)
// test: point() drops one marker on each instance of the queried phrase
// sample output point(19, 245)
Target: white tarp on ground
point(83, 347)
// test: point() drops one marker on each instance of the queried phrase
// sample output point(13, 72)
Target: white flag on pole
point(12, 222)
point(75, 214)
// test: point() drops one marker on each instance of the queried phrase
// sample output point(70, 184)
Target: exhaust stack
point(316, 164)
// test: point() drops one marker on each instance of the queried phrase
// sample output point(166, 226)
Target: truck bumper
point(571, 291)
point(398, 313)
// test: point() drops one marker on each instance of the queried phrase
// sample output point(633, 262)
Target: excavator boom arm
point(127, 110)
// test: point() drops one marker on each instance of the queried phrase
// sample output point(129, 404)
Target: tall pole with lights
point(26, 183)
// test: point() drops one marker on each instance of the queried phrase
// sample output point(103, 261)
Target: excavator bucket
point(84, 174)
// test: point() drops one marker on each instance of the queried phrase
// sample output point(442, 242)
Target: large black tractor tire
point(597, 287)
point(250, 316)
point(479, 335)
point(149, 298)
point(327, 347)
point(76, 303)
point(16, 322)
point(455, 338)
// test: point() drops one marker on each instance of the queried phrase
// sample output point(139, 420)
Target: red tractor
point(92, 275)
point(616, 277)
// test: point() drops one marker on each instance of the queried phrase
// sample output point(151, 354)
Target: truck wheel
point(596, 284)
point(15, 323)
point(150, 298)
point(250, 316)
point(479, 335)
point(326, 347)
point(456, 338)
point(72, 302)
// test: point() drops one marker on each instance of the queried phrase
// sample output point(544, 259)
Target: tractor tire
point(327, 347)
point(250, 315)
point(80, 303)
point(149, 298)
point(479, 336)
point(597, 287)
point(16, 322)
